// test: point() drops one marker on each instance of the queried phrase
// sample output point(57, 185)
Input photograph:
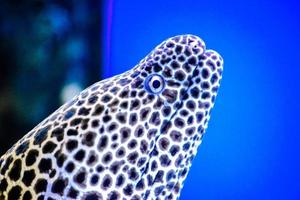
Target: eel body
point(129, 137)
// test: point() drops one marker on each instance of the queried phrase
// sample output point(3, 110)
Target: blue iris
point(154, 84)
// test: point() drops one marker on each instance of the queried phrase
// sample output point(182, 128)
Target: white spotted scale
point(129, 137)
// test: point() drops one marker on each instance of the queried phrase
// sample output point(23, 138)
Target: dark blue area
point(49, 50)
point(251, 148)
point(41, 135)
point(22, 147)
point(69, 114)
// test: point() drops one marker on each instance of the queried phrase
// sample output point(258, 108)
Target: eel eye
point(155, 84)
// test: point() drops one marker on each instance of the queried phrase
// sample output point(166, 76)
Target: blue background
point(251, 148)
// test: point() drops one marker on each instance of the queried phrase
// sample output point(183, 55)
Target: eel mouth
point(183, 97)
point(196, 46)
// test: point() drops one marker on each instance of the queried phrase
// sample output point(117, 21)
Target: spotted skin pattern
point(129, 137)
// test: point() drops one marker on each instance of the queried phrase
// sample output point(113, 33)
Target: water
point(251, 147)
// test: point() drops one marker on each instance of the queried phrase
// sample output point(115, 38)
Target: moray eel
point(129, 137)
